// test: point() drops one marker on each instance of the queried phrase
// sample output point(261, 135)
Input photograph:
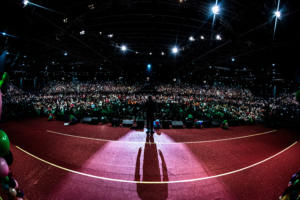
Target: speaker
point(140, 124)
point(127, 123)
point(86, 120)
point(216, 123)
point(166, 124)
point(115, 122)
point(95, 120)
point(189, 124)
point(199, 124)
point(90, 120)
point(177, 124)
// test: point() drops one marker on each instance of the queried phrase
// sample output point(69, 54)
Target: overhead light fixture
point(65, 20)
point(175, 50)
point(215, 9)
point(218, 37)
point(25, 2)
point(123, 48)
point(91, 6)
point(191, 38)
point(82, 32)
point(277, 14)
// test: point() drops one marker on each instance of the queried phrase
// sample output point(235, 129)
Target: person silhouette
point(152, 169)
point(150, 109)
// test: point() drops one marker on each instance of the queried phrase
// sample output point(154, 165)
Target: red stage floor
point(52, 161)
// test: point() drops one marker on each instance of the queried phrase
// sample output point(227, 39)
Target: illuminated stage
point(53, 161)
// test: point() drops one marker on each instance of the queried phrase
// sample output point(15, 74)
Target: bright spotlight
point(4, 34)
point(82, 32)
point(123, 48)
point(175, 50)
point(25, 2)
point(202, 37)
point(150, 53)
point(162, 53)
point(215, 9)
point(277, 14)
point(110, 35)
point(233, 59)
point(218, 37)
point(191, 38)
point(66, 53)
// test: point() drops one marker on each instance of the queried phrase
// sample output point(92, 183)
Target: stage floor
point(53, 161)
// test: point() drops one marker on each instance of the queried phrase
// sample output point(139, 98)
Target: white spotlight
point(233, 59)
point(110, 35)
point(277, 14)
point(215, 9)
point(136, 52)
point(191, 38)
point(150, 53)
point(82, 32)
point(3, 33)
point(218, 37)
point(25, 2)
point(66, 53)
point(202, 37)
point(162, 53)
point(65, 20)
point(123, 48)
point(175, 50)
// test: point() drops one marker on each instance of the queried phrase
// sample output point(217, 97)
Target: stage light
point(191, 38)
point(123, 48)
point(175, 50)
point(25, 2)
point(273, 64)
point(232, 59)
point(4, 34)
point(218, 37)
point(150, 53)
point(162, 53)
point(66, 53)
point(149, 67)
point(277, 14)
point(82, 32)
point(202, 37)
point(215, 9)
point(136, 52)
point(110, 35)
point(65, 20)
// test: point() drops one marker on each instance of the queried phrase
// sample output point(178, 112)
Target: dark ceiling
point(246, 27)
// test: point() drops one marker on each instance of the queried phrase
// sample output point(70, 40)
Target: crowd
point(109, 87)
point(111, 100)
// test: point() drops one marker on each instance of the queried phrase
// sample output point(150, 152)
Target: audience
point(123, 101)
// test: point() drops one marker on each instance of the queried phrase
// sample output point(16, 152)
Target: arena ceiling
point(46, 35)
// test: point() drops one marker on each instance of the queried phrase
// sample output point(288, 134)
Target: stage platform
point(53, 161)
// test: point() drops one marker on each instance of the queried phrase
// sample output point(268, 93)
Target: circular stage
point(53, 161)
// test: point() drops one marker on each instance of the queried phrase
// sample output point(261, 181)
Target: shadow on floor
point(151, 172)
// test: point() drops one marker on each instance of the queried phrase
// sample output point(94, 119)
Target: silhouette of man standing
point(150, 108)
